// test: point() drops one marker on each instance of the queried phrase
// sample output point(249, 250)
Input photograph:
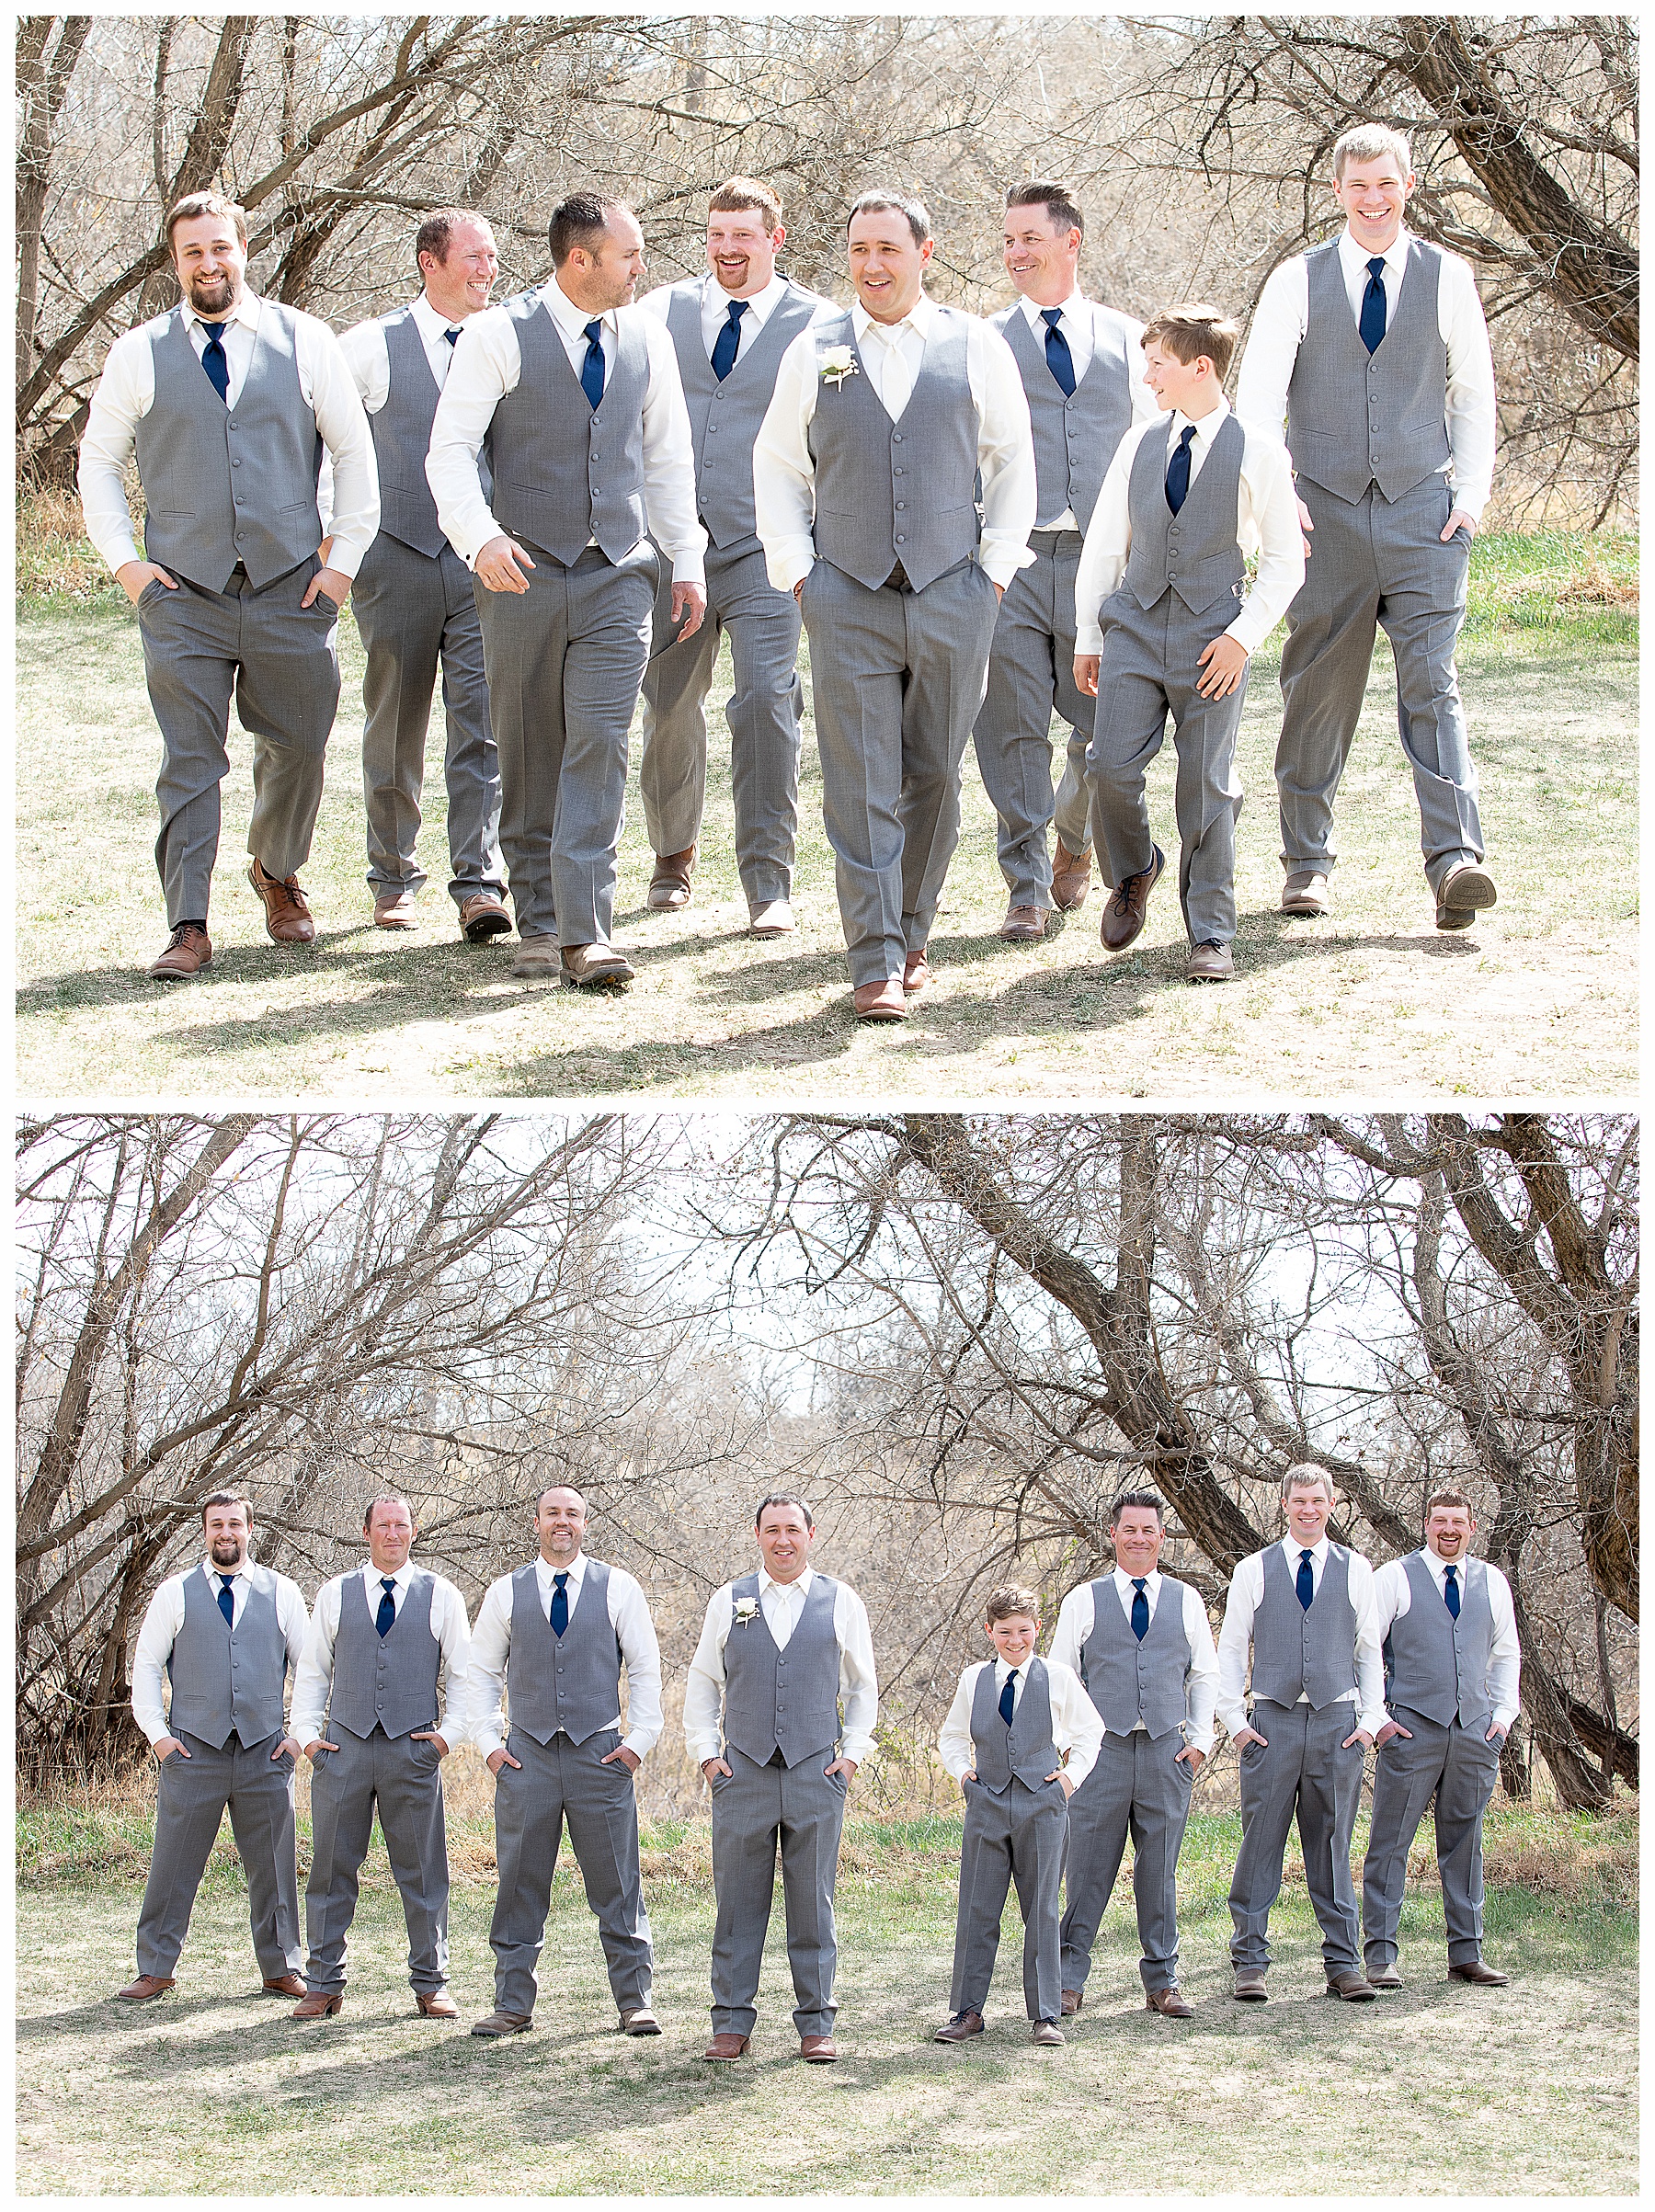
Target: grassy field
point(1540, 997)
point(1534, 2086)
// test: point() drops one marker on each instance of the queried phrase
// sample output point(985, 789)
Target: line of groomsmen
point(780, 1710)
point(565, 500)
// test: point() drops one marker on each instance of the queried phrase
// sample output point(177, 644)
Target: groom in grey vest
point(414, 606)
point(1082, 373)
point(730, 327)
point(1375, 348)
point(229, 402)
point(1306, 1606)
point(1451, 1682)
point(387, 1642)
point(887, 421)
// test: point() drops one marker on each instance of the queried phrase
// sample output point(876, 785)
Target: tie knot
point(387, 1583)
point(594, 332)
point(1011, 1678)
point(452, 336)
point(214, 331)
point(738, 308)
point(1186, 436)
point(1138, 1581)
point(559, 1580)
point(1051, 316)
point(226, 1581)
point(1451, 1572)
point(1304, 1558)
point(1376, 267)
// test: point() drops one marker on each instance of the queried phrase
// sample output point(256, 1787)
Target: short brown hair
point(206, 203)
point(1448, 1498)
point(433, 234)
point(783, 1497)
point(1304, 1477)
point(1058, 201)
point(577, 220)
point(1011, 1598)
point(1193, 328)
point(876, 203)
point(388, 1498)
point(1145, 1499)
point(736, 195)
point(226, 1497)
point(1371, 141)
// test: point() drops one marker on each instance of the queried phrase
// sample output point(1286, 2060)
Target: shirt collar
point(1035, 316)
point(1002, 1668)
point(1439, 1567)
point(575, 1571)
point(1318, 1552)
point(371, 1577)
point(245, 311)
point(802, 1583)
point(1124, 1580)
point(1206, 430)
point(919, 317)
point(1356, 256)
point(762, 305)
point(213, 1573)
point(569, 318)
point(429, 322)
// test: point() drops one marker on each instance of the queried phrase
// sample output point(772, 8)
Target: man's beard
point(222, 288)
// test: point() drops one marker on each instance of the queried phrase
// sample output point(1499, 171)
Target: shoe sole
point(490, 926)
point(1251, 1996)
point(1303, 910)
point(1477, 894)
point(883, 1013)
point(654, 2028)
point(1352, 1997)
point(614, 982)
point(499, 2034)
point(172, 975)
point(1229, 979)
point(394, 922)
point(765, 933)
point(665, 906)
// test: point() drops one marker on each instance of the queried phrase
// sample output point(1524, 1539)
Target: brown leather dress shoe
point(640, 2021)
point(396, 910)
point(538, 958)
point(285, 1985)
point(1169, 2002)
point(436, 2004)
point(1209, 964)
point(188, 951)
point(1072, 2002)
point(1023, 925)
point(589, 966)
point(817, 2050)
point(1474, 1970)
point(1045, 2031)
point(1305, 892)
point(1250, 1986)
point(772, 918)
point(1071, 877)
point(1383, 1977)
point(1356, 1989)
point(1462, 894)
point(145, 1987)
point(669, 886)
point(502, 2023)
point(880, 1001)
point(1124, 916)
point(916, 973)
point(482, 917)
point(724, 2050)
point(287, 916)
point(319, 2004)
point(960, 2028)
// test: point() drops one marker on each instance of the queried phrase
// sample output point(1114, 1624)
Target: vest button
point(711, 427)
point(901, 505)
point(895, 438)
point(900, 539)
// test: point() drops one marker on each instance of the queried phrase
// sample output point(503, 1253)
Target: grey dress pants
point(402, 1781)
point(1140, 1787)
point(1019, 1835)
point(757, 1812)
point(191, 1797)
point(1459, 1769)
point(1304, 1774)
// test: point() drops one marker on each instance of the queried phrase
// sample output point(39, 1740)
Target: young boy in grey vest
point(1014, 1720)
point(1162, 627)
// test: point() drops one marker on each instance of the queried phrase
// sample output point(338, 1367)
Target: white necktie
point(896, 384)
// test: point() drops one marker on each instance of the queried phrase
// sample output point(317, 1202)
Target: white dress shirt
point(449, 1626)
point(365, 350)
point(715, 310)
point(1076, 1728)
point(1266, 521)
point(126, 393)
point(165, 1617)
point(781, 1605)
point(1077, 1617)
point(1246, 1592)
point(785, 473)
point(487, 365)
point(1075, 321)
point(1282, 315)
point(1393, 1598)
point(629, 1617)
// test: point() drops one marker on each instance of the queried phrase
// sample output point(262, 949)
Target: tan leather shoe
point(188, 951)
point(1474, 1970)
point(1356, 1989)
point(145, 1987)
point(287, 916)
point(1071, 877)
point(588, 966)
point(1045, 2031)
point(1462, 894)
point(1072, 2002)
point(1023, 925)
point(640, 2021)
point(539, 959)
point(1209, 964)
point(319, 2004)
point(916, 973)
point(817, 2050)
point(436, 2004)
point(772, 918)
point(482, 916)
point(669, 887)
point(1305, 892)
point(285, 1985)
point(880, 1001)
point(1169, 2002)
point(724, 2050)
point(1250, 1986)
point(1383, 1977)
point(502, 2023)
point(960, 2029)
point(1124, 915)
point(396, 910)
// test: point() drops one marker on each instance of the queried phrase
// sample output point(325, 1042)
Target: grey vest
point(726, 418)
point(227, 1680)
point(1129, 1682)
point(402, 438)
point(1356, 418)
point(902, 491)
point(1436, 1665)
point(783, 1700)
point(570, 1681)
point(565, 471)
point(1294, 1650)
point(1025, 1748)
point(385, 1680)
point(225, 485)
point(1075, 439)
point(1194, 553)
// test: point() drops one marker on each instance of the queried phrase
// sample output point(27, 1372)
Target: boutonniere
point(836, 364)
point(746, 1608)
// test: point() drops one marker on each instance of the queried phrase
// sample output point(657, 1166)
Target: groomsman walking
point(730, 327)
point(1141, 1642)
point(889, 422)
point(225, 1636)
point(573, 401)
point(782, 1653)
point(414, 606)
point(551, 1637)
point(387, 1644)
point(1082, 374)
point(1306, 1606)
point(1374, 349)
point(1451, 1673)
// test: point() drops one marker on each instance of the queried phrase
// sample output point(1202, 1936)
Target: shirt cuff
point(1248, 634)
point(640, 1743)
point(789, 561)
point(1472, 502)
point(120, 554)
point(1232, 1719)
point(1000, 561)
point(1502, 1719)
point(689, 567)
point(487, 1740)
point(1199, 1739)
point(347, 555)
point(702, 1747)
point(859, 1748)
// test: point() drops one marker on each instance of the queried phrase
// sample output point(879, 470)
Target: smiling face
point(390, 1535)
point(226, 1535)
point(1013, 1638)
point(1373, 195)
point(887, 263)
point(1190, 388)
point(211, 263)
point(785, 1541)
point(1309, 1507)
point(1137, 1537)
point(459, 284)
point(741, 251)
point(1448, 1531)
point(1041, 259)
point(560, 1523)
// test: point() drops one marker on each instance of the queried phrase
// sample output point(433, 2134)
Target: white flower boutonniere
point(746, 1608)
point(836, 364)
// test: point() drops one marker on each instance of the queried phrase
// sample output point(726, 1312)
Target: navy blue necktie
point(591, 368)
point(1370, 323)
point(1305, 1583)
point(1451, 1590)
point(227, 1603)
point(452, 336)
point(729, 338)
point(1008, 1701)
point(387, 1605)
point(560, 1605)
point(214, 362)
point(1178, 469)
point(1140, 1608)
point(1059, 360)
